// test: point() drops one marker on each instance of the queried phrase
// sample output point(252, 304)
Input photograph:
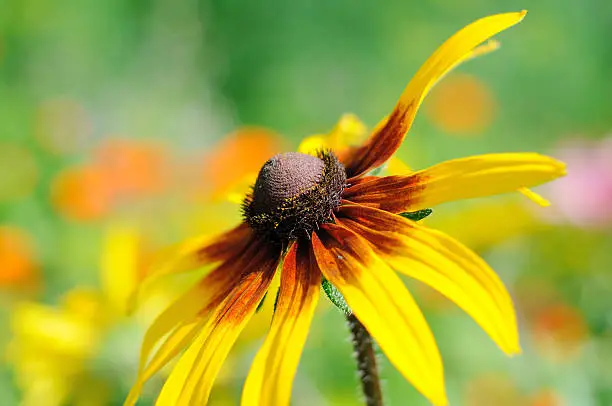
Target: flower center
point(294, 194)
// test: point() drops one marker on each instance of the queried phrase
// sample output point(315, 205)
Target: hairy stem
point(366, 362)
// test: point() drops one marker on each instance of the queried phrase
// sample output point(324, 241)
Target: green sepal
point(260, 305)
point(416, 215)
point(276, 299)
point(334, 296)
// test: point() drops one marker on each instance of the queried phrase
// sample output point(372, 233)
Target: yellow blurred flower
point(53, 347)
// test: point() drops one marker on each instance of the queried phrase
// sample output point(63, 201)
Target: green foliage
point(417, 215)
point(334, 295)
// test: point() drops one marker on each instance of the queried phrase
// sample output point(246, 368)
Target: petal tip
point(441, 400)
point(513, 350)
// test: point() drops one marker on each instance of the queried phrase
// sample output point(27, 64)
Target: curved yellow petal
point(463, 178)
point(192, 378)
point(382, 303)
point(484, 49)
point(192, 254)
point(271, 376)
point(185, 308)
point(534, 197)
point(443, 263)
point(175, 342)
point(458, 48)
point(194, 306)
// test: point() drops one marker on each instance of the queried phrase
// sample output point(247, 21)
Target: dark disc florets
point(294, 194)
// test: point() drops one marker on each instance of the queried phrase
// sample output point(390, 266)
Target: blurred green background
point(122, 130)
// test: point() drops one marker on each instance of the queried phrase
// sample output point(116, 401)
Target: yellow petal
point(271, 376)
point(193, 376)
point(487, 48)
point(463, 178)
point(120, 264)
point(193, 254)
point(443, 263)
point(176, 342)
point(312, 144)
point(185, 308)
point(396, 166)
point(382, 303)
point(534, 197)
point(348, 131)
point(458, 48)
point(195, 305)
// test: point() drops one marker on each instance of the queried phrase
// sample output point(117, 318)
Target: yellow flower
point(326, 216)
point(54, 347)
point(51, 347)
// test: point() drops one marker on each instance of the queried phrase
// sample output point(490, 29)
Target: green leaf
point(276, 299)
point(334, 295)
point(260, 305)
point(417, 215)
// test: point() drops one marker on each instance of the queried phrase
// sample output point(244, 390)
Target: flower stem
point(366, 362)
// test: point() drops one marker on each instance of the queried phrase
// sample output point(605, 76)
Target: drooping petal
point(194, 253)
point(534, 197)
point(384, 142)
point(441, 262)
point(271, 376)
point(193, 307)
point(193, 376)
point(463, 178)
point(382, 303)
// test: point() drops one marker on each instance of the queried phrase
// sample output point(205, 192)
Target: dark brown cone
point(285, 176)
point(294, 194)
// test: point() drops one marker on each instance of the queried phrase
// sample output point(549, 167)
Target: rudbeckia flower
point(326, 216)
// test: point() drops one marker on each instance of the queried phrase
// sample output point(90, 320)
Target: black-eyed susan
point(327, 216)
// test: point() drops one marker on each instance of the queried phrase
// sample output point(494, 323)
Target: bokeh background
point(126, 126)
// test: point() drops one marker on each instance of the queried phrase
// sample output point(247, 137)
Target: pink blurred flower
point(584, 196)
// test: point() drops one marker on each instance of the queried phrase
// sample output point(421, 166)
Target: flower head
point(328, 216)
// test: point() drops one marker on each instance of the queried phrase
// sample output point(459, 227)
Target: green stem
point(366, 362)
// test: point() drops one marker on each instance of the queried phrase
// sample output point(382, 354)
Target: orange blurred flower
point(19, 267)
point(237, 155)
point(559, 332)
point(132, 167)
point(545, 397)
point(461, 104)
point(82, 193)
point(121, 170)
